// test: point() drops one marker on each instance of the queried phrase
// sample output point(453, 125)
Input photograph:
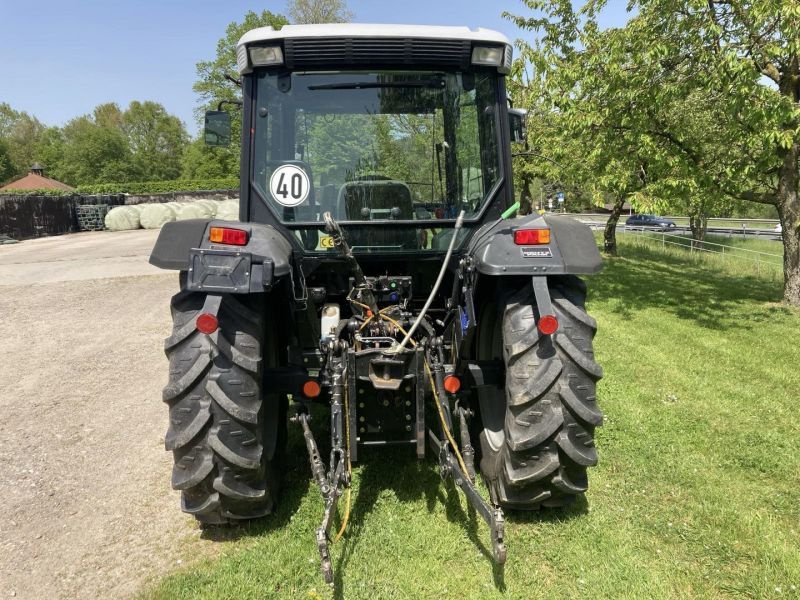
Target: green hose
point(510, 211)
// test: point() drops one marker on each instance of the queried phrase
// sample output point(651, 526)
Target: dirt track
point(87, 509)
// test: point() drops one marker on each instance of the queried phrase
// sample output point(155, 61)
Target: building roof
point(35, 181)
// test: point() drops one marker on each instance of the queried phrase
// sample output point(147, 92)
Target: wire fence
point(742, 261)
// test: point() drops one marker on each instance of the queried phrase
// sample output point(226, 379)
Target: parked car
point(650, 222)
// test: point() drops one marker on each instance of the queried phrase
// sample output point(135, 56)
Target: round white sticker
point(289, 185)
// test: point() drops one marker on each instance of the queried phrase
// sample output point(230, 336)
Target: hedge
point(161, 187)
point(138, 188)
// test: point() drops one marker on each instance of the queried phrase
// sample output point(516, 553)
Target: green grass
point(695, 495)
point(740, 257)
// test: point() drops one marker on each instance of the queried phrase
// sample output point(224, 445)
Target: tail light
point(531, 237)
point(227, 235)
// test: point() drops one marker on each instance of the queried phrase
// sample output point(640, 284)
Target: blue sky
point(59, 58)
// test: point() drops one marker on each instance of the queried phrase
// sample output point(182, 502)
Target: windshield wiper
point(363, 85)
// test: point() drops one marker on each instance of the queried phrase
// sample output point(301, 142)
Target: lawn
point(735, 256)
point(695, 495)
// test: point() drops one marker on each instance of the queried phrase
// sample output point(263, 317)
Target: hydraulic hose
point(435, 290)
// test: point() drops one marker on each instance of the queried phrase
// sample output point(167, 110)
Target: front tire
point(224, 432)
point(540, 454)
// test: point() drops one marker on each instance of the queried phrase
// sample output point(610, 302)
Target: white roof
point(345, 30)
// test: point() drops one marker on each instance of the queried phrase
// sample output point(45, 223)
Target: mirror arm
point(233, 79)
point(231, 102)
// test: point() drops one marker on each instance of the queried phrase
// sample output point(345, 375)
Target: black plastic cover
point(572, 248)
point(177, 240)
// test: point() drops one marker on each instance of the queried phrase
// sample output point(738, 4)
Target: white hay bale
point(122, 218)
point(193, 210)
point(228, 210)
point(153, 216)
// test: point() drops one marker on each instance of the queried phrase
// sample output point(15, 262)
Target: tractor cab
point(393, 130)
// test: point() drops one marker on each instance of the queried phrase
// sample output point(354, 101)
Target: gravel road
point(88, 512)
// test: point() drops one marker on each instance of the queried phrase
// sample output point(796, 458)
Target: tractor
point(382, 270)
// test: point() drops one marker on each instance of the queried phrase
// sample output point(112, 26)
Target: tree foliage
point(319, 11)
point(19, 132)
point(6, 167)
point(156, 140)
point(143, 142)
point(212, 86)
point(698, 100)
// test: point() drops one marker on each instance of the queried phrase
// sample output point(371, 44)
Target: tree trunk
point(789, 213)
point(610, 233)
point(698, 223)
point(525, 198)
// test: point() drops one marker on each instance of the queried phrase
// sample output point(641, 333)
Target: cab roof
point(371, 30)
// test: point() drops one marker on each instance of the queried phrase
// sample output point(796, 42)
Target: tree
point(319, 11)
point(6, 167)
point(21, 133)
point(586, 139)
point(200, 161)
point(213, 86)
point(156, 140)
point(93, 153)
point(739, 60)
point(747, 53)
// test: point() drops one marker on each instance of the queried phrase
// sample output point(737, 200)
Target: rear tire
point(224, 433)
point(540, 453)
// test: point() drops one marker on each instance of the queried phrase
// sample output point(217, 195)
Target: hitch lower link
point(450, 467)
point(331, 483)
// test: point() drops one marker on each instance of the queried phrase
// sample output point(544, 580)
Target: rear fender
point(220, 268)
point(572, 249)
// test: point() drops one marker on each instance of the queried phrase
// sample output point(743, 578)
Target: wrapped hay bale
point(210, 204)
point(228, 210)
point(153, 216)
point(122, 218)
point(193, 210)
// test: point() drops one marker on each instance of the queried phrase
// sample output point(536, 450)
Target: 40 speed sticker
point(289, 185)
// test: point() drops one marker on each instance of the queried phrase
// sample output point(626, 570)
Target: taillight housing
point(531, 237)
point(227, 235)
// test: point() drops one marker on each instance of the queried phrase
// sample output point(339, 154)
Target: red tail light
point(206, 323)
point(227, 235)
point(531, 237)
point(548, 324)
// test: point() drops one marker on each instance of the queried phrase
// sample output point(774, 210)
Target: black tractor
point(380, 269)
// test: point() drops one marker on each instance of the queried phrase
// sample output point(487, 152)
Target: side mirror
point(517, 119)
point(217, 130)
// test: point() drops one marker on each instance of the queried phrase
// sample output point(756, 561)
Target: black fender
point(572, 249)
point(213, 267)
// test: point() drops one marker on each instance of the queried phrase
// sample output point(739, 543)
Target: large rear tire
point(539, 450)
point(224, 432)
